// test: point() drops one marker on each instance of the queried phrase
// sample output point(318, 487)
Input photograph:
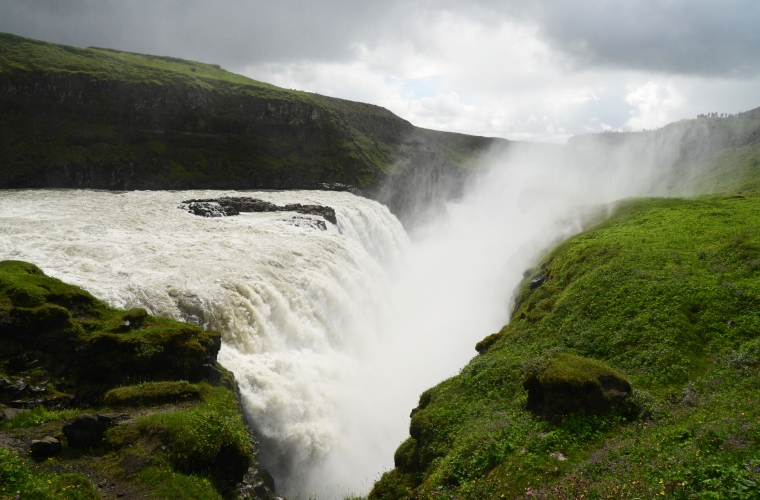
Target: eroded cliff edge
point(105, 119)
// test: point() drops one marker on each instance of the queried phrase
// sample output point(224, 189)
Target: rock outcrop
point(227, 206)
point(567, 384)
point(104, 119)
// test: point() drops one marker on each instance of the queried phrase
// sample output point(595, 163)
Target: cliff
point(105, 119)
point(101, 402)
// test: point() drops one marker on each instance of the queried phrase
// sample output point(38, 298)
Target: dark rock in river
point(308, 223)
point(206, 209)
point(228, 206)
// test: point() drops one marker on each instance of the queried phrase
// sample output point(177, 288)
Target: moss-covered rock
point(152, 393)
point(50, 328)
point(572, 384)
point(182, 435)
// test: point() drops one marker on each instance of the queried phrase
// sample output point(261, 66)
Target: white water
point(299, 308)
point(332, 335)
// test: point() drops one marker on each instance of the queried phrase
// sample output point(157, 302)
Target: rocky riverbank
point(97, 402)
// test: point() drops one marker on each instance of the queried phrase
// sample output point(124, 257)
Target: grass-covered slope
point(176, 429)
point(71, 345)
point(666, 293)
point(701, 156)
point(101, 118)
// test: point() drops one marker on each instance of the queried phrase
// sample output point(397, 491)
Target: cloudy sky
point(541, 70)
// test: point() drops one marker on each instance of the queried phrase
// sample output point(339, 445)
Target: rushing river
point(332, 335)
point(299, 308)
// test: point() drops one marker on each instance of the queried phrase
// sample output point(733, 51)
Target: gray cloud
point(234, 33)
point(679, 36)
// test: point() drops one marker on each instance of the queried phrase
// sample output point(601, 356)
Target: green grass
point(37, 417)
point(152, 393)
point(102, 118)
point(64, 328)
point(168, 484)
point(204, 449)
point(666, 292)
point(195, 436)
point(731, 170)
point(17, 480)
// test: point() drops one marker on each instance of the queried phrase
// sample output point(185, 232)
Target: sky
point(542, 70)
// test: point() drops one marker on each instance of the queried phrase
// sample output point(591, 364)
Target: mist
point(332, 335)
point(462, 269)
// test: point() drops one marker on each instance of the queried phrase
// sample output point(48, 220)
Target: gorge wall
point(104, 119)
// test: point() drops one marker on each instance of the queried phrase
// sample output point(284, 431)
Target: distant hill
point(700, 156)
point(106, 119)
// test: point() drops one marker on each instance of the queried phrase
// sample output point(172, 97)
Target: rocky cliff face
point(102, 119)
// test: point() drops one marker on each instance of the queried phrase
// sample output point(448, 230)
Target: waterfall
point(298, 308)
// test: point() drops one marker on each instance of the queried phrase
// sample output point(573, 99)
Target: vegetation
point(151, 393)
point(51, 328)
point(203, 448)
point(665, 292)
point(101, 118)
point(64, 353)
point(18, 480)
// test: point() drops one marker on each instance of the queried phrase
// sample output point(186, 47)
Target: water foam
point(298, 308)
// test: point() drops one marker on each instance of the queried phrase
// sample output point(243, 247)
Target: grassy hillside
point(666, 293)
point(175, 429)
point(101, 118)
point(702, 156)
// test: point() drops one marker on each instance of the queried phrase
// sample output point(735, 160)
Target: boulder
point(538, 281)
point(568, 384)
point(86, 430)
point(228, 206)
point(258, 484)
point(45, 447)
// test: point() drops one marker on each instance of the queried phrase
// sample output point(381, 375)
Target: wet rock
point(571, 384)
point(45, 447)
point(204, 208)
point(538, 281)
point(51, 403)
point(13, 389)
point(308, 223)
point(267, 478)
point(335, 186)
point(86, 430)
point(211, 373)
point(112, 419)
point(258, 484)
point(235, 205)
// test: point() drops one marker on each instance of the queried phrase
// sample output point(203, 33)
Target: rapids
point(298, 308)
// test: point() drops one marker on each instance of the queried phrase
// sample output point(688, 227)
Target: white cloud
point(478, 67)
point(653, 105)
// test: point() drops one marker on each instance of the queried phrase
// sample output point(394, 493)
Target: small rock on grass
point(559, 456)
point(133, 464)
point(45, 447)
